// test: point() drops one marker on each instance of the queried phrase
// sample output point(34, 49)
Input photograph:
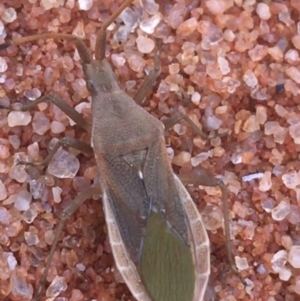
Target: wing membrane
point(167, 266)
point(152, 221)
point(162, 189)
point(129, 201)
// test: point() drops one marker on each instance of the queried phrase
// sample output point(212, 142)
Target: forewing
point(167, 262)
point(162, 190)
point(153, 213)
point(128, 198)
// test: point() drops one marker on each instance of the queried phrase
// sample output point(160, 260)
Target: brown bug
point(157, 236)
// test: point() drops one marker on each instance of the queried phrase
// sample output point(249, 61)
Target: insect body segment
point(158, 239)
point(153, 223)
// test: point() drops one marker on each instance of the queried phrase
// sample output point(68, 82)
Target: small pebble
point(85, 4)
point(9, 15)
point(279, 260)
point(23, 200)
point(144, 45)
point(15, 118)
point(263, 11)
point(241, 263)
point(294, 256)
point(63, 165)
point(20, 287)
point(57, 286)
point(281, 211)
point(149, 25)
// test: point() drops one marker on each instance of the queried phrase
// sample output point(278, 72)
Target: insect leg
point(66, 214)
point(65, 141)
point(177, 117)
point(60, 103)
point(206, 180)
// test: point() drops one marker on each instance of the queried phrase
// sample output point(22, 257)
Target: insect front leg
point(60, 103)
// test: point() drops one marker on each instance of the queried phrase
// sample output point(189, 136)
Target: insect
point(157, 236)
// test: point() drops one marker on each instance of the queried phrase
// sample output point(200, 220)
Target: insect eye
point(90, 86)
